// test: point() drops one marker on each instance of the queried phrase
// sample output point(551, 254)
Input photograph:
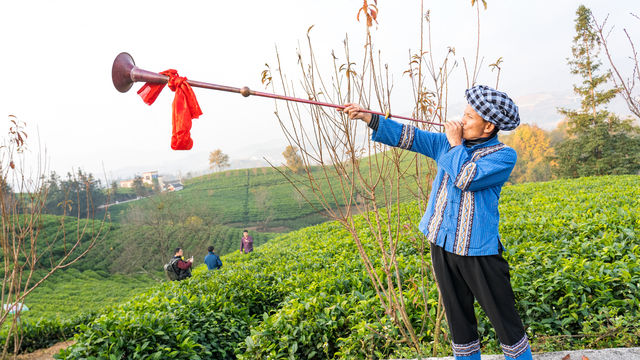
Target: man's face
point(474, 126)
point(245, 234)
point(179, 253)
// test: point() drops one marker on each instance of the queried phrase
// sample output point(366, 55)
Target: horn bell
point(121, 72)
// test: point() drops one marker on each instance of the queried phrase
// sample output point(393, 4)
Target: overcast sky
point(57, 56)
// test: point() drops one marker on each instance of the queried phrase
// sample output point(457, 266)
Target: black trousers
point(485, 278)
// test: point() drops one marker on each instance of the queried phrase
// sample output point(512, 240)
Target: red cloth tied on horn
point(185, 107)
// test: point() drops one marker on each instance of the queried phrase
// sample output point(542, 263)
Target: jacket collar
point(478, 143)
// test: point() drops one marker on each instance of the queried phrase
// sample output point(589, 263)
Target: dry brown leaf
point(584, 357)
point(566, 357)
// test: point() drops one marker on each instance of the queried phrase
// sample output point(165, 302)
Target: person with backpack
point(212, 260)
point(180, 267)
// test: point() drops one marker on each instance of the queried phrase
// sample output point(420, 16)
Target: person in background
point(246, 243)
point(212, 260)
point(180, 266)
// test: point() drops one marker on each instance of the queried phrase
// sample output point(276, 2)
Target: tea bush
point(44, 332)
point(70, 298)
point(575, 265)
point(69, 293)
point(575, 248)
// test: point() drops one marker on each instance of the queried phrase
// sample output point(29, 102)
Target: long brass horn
point(125, 72)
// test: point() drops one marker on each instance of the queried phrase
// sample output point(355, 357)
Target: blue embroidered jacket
point(462, 215)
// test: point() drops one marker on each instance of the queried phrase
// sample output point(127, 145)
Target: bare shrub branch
point(626, 84)
point(28, 258)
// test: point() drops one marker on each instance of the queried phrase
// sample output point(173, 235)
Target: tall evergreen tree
point(599, 142)
point(113, 191)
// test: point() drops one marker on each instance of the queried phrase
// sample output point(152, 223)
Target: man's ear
point(489, 127)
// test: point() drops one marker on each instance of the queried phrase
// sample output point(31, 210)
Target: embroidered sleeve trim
point(513, 351)
point(466, 175)
point(469, 169)
point(406, 137)
point(482, 152)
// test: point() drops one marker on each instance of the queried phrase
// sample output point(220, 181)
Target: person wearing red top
point(181, 267)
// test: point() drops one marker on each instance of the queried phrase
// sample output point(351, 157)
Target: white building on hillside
point(166, 183)
point(147, 178)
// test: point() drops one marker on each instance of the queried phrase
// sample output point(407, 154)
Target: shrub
point(572, 245)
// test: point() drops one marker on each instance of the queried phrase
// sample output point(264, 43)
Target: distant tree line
point(81, 193)
point(77, 194)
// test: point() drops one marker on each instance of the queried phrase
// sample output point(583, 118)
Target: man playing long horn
point(461, 221)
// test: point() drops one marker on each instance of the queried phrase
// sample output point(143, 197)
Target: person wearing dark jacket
point(180, 266)
point(212, 260)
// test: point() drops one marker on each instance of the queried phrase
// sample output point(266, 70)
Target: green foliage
point(77, 195)
point(43, 333)
point(576, 254)
point(585, 63)
point(69, 293)
point(139, 187)
point(229, 198)
point(609, 147)
point(58, 234)
point(124, 248)
point(70, 298)
point(182, 319)
point(116, 194)
point(575, 262)
point(130, 248)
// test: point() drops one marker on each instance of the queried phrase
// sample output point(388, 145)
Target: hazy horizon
point(59, 55)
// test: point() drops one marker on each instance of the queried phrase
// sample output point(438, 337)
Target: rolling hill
point(574, 251)
point(215, 208)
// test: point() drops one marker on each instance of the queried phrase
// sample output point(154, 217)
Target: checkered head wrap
point(494, 106)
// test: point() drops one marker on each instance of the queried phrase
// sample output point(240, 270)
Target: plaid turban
point(494, 106)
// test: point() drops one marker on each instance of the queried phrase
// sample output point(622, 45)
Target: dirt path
point(46, 354)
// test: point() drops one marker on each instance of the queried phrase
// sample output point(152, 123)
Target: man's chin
point(470, 138)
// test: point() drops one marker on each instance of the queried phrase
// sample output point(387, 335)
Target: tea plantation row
point(243, 197)
point(573, 247)
point(69, 298)
point(261, 197)
point(115, 240)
